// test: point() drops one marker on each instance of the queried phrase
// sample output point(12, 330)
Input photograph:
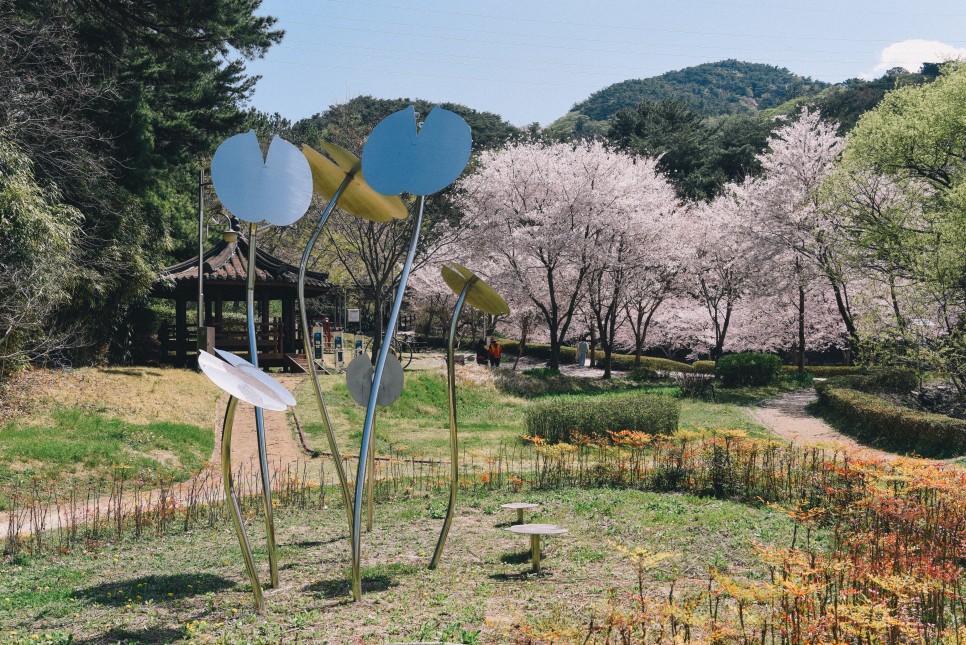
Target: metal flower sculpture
point(342, 184)
point(404, 155)
point(244, 382)
point(470, 288)
point(276, 190)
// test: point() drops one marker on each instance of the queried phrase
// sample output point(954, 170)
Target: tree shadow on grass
point(156, 588)
point(122, 635)
point(374, 579)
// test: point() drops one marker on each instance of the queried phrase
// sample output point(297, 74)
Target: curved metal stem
point(307, 342)
point(453, 442)
point(371, 409)
point(370, 482)
point(259, 416)
point(232, 501)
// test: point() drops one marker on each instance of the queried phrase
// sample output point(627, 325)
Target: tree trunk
point(801, 329)
point(554, 362)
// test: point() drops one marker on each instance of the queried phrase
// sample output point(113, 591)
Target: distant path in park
point(786, 416)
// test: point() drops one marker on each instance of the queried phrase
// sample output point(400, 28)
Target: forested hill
point(710, 89)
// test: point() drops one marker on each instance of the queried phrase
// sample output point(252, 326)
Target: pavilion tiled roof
point(228, 263)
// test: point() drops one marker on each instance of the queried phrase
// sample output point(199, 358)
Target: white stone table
point(520, 507)
point(535, 531)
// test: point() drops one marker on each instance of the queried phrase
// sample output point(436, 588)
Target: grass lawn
point(158, 422)
point(418, 421)
point(192, 586)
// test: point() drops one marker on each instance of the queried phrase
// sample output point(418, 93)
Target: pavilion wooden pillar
point(288, 324)
point(265, 335)
point(181, 327)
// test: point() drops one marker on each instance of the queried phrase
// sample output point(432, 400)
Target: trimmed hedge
point(703, 367)
point(625, 363)
point(748, 369)
point(875, 419)
point(825, 371)
point(554, 418)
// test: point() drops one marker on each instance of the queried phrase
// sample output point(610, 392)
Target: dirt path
point(786, 416)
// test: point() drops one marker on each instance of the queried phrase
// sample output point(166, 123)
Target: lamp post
point(202, 330)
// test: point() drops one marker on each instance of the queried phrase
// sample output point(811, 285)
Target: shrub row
point(544, 382)
point(554, 418)
point(825, 371)
point(748, 369)
point(873, 418)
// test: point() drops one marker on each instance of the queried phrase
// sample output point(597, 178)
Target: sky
point(531, 60)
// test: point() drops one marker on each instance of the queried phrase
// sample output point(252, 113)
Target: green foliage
point(75, 438)
point(882, 422)
point(540, 382)
point(748, 369)
point(825, 371)
point(846, 102)
point(642, 373)
point(626, 362)
point(37, 252)
point(697, 155)
point(703, 367)
point(711, 89)
point(917, 137)
point(348, 124)
point(554, 419)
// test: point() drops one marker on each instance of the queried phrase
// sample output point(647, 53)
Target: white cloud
point(911, 54)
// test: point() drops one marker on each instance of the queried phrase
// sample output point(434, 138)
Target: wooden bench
point(535, 531)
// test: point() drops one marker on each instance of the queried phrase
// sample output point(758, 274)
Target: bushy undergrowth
point(875, 419)
point(555, 419)
point(887, 570)
point(748, 369)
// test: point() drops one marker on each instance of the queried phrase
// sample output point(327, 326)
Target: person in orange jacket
point(495, 352)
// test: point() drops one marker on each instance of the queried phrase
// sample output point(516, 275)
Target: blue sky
point(531, 60)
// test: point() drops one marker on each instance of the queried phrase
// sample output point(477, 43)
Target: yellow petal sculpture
point(342, 184)
point(480, 294)
point(470, 288)
point(357, 198)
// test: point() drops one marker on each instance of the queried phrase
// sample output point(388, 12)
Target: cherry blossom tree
point(545, 209)
point(789, 215)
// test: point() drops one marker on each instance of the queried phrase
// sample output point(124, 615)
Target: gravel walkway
point(786, 416)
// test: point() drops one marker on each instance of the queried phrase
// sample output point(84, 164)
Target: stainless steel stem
point(232, 501)
point(453, 445)
point(371, 409)
point(309, 357)
point(260, 417)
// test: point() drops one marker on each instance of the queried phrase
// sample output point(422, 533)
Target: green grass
point(192, 586)
point(77, 441)
point(419, 420)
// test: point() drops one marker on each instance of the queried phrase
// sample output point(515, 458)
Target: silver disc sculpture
point(403, 155)
point(243, 382)
point(341, 183)
point(477, 293)
point(275, 189)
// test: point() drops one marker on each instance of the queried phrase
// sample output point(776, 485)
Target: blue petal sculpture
point(402, 155)
point(277, 190)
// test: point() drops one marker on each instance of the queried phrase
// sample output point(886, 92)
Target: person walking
point(495, 352)
point(481, 353)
